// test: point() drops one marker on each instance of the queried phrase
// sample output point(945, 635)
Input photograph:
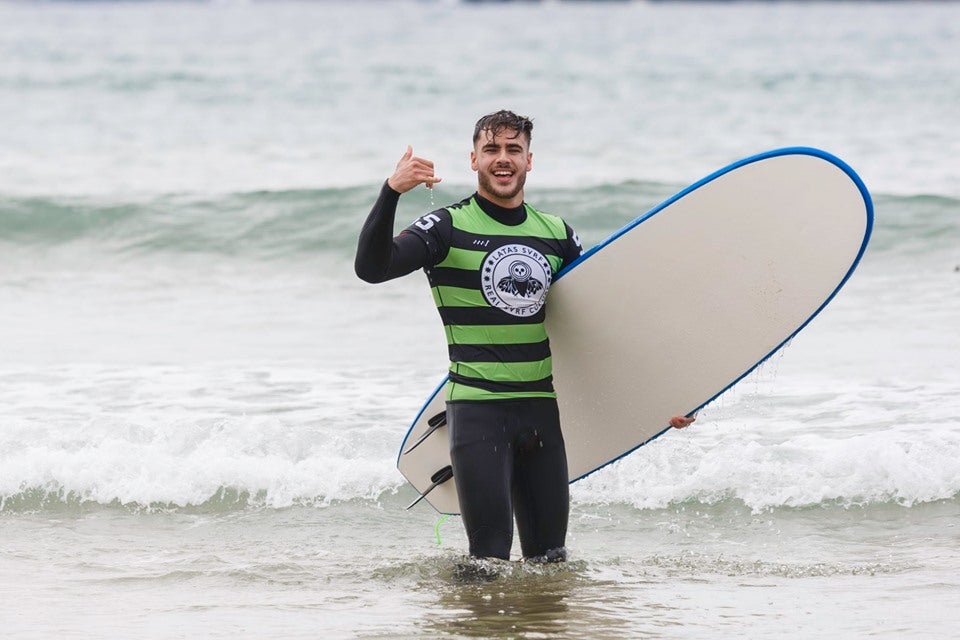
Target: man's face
point(502, 163)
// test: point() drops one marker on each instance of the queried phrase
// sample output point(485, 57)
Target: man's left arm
point(572, 247)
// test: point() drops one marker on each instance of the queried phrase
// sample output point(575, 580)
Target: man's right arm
point(380, 255)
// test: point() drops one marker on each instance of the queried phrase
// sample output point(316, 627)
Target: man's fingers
point(413, 163)
point(412, 171)
point(423, 170)
point(422, 163)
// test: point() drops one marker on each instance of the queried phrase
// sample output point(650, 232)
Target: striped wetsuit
point(490, 269)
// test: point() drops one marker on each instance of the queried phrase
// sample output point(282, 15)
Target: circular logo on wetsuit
point(515, 279)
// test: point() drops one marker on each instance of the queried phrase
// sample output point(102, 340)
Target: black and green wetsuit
point(490, 269)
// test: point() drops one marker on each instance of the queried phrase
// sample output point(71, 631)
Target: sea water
point(201, 405)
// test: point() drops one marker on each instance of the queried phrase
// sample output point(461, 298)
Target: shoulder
point(557, 227)
point(435, 229)
point(560, 231)
point(428, 222)
point(439, 220)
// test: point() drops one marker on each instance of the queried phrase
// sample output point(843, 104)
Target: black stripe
point(447, 277)
point(545, 385)
point(476, 242)
point(500, 352)
point(487, 316)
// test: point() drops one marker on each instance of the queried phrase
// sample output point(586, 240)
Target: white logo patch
point(515, 279)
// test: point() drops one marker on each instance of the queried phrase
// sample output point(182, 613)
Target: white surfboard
point(679, 305)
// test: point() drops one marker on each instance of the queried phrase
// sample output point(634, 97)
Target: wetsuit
point(490, 269)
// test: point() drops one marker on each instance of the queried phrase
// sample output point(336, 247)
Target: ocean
point(201, 405)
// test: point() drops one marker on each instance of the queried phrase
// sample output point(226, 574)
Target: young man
point(490, 260)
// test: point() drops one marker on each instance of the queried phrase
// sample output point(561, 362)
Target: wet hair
point(495, 123)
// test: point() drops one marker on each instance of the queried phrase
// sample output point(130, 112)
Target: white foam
point(763, 470)
point(170, 436)
point(188, 463)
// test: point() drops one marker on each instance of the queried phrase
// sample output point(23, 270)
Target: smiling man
point(490, 260)
point(501, 157)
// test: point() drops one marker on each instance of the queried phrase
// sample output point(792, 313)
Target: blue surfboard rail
point(810, 151)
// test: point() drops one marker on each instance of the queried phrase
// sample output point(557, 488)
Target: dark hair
point(495, 123)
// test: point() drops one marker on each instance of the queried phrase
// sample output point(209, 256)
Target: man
point(490, 260)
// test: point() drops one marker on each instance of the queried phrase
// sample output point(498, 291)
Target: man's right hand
point(412, 171)
point(682, 422)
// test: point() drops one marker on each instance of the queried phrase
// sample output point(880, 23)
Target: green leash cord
point(436, 529)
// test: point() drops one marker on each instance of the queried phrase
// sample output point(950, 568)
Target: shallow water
point(356, 570)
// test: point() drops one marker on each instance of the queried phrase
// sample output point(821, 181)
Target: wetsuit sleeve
point(572, 247)
point(382, 257)
point(435, 229)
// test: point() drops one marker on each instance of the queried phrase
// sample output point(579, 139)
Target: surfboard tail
point(434, 423)
point(437, 479)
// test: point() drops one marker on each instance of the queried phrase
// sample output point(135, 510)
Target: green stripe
point(458, 297)
point(505, 371)
point(472, 219)
point(463, 259)
point(552, 225)
point(456, 391)
point(496, 334)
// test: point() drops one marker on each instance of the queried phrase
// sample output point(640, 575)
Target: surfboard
point(679, 305)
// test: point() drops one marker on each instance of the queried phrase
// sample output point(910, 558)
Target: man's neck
point(512, 203)
point(504, 215)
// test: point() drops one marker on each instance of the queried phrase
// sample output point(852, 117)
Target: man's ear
point(473, 161)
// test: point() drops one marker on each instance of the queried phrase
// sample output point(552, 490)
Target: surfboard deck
point(680, 304)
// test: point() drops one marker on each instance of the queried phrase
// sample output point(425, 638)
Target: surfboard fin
point(437, 421)
point(438, 479)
